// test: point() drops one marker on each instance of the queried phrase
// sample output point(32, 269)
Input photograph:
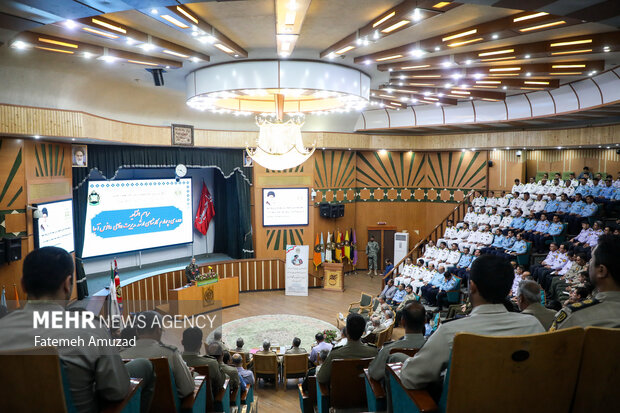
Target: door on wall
point(384, 235)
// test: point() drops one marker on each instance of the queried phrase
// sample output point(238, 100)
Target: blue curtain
point(232, 187)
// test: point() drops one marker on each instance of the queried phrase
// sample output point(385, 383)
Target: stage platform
point(98, 283)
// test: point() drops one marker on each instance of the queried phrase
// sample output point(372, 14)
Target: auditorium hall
point(309, 206)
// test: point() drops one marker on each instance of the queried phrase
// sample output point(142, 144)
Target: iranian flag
point(205, 212)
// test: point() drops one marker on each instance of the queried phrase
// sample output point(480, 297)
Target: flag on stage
point(3, 299)
point(317, 253)
point(322, 248)
point(354, 246)
point(16, 296)
point(338, 248)
point(347, 246)
point(114, 309)
point(205, 212)
point(328, 248)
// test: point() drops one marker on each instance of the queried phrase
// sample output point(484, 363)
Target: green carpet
point(279, 329)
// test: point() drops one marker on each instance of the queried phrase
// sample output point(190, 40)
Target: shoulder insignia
point(583, 304)
point(168, 346)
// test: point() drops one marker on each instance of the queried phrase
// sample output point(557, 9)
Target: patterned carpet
point(279, 329)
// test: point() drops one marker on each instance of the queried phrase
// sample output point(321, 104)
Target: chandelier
point(278, 93)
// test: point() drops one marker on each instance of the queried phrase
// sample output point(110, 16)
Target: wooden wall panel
point(573, 160)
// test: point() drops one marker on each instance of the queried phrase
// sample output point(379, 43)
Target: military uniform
point(372, 251)
point(489, 319)
point(149, 348)
point(351, 350)
point(216, 376)
point(601, 311)
point(296, 350)
point(233, 374)
point(542, 314)
point(93, 372)
point(191, 271)
point(377, 366)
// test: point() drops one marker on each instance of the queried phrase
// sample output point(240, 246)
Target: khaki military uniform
point(232, 373)
point(351, 350)
point(93, 372)
point(296, 350)
point(216, 375)
point(372, 251)
point(149, 348)
point(377, 366)
point(544, 315)
point(601, 311)
point(489, 319)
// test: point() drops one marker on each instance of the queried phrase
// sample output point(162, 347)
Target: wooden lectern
point(333, 276)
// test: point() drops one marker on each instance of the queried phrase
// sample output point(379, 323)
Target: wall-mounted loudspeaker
point(491, 164)
point(12, 249)
point(324, 209)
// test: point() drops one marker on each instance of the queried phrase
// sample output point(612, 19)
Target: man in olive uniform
point(94, 373)
point(192, 340)
point(295, 349)
point(354, 349)
point(191, 271)
point(149, 345)
point(604, 309)
point(372, 251)
point(215, 350)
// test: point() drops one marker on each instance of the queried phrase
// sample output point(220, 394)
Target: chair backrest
point(244, 357)
point(408, 351)
point(347, 386)
point(381, 338)
point(365, 300)
point(521, 369)
point(265, 364)
point(375, 304)
point(165, 397)
point(24, 373)
point(295, 363)
point(599, 371)
point(204, 371)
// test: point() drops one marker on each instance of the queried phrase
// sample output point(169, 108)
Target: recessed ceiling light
point(20, 45)
point(495, 36)
point(37, 137)
point(73, 139)
point(87, 55)
point(437, 48)
point(468, 61)
point(154, 11)
point(528, 74)
point(527, 56)
point(69, 24)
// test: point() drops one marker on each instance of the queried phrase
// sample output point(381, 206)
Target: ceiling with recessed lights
point(417, 53)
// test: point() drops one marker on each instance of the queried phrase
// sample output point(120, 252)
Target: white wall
point(201, 244)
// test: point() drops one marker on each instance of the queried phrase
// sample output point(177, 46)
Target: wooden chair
point(375, 394)
point(515, 365)
point(244, 355)
point(214, 397)
point(381, 338)
point(600, 368)
point(307, 399)
point(454, 295)
point(294, 366)
point(33, 380)
point(266, 366)
point(165, 396)
point(363, 306)
point(346, 388)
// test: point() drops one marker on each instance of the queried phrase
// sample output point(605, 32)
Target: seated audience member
point(411, 296)
point(371, 333)
point(573, 216)
point(539, 205)
point(246, 375)
point(463, 273)
point(464, 261)
point(388, 291)
point(550, 260)
point(429, 251)
point(240, 349)
point(520, 275)
point(454, 256)
point(436, 292)
point(441, 255)
point(563, 206)
point(529, 227)
point(578, 294)
point(321, 345)
point(495, 218)
point(545, 275)
point(449, 233)
point(94, 374)
point(412, 320)
point(517, 187)
point(528, 300)
point(604, 309)
point(266, 348)
point(192, 341)
point(217, 338)
point(215, 351)
point(545, 231)
point(517, 223)
point(490, 282)
point(322, 355)
point(353, 349)
point(552, 205)
point(388, 319)
point(407, 273)
point(498, 238)
point(295, 349)
point(230, 370)
point(389, 266)
point(149, 345)
point(519, 247)
point(560, 286)
point(399, 296)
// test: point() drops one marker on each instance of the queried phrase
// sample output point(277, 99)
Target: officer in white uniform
point(490, 281)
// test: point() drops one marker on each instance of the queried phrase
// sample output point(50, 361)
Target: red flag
point(205, 212)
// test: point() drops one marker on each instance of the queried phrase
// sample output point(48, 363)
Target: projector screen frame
point(159, 247)
point(35, 222)
point(265, 191)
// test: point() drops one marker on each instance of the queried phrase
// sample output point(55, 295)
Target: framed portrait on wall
point(79, 156)
point(182, 135)
point(248, 162)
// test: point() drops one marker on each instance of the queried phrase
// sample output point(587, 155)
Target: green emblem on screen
point(93, 198)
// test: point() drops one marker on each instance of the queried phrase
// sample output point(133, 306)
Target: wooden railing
point(456, 215)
